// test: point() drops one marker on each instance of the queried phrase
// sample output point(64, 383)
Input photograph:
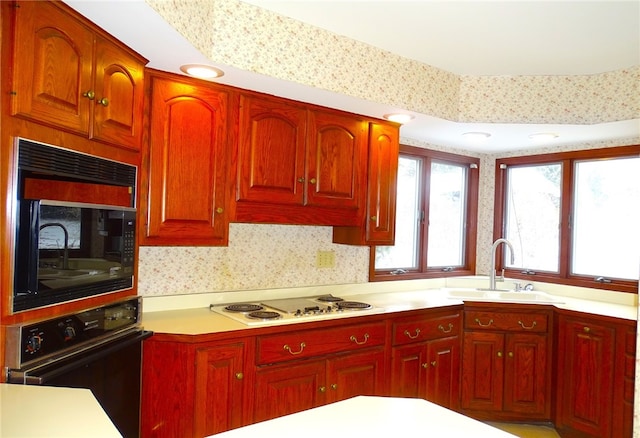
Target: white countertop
point(371, 416)
point(28, 411)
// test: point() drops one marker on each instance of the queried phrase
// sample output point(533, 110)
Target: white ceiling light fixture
point(201, 71)
point(476, 137)
point(399, 118)
point(543, 136)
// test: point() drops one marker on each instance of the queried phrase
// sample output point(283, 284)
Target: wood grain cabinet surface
point(183, 188)
point(594, 377)
point(425, 358)
point(506, 371)
point(75, 77)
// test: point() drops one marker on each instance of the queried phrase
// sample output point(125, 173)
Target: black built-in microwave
point(75, 227)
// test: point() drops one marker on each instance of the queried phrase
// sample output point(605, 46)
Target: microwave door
point(26, 270)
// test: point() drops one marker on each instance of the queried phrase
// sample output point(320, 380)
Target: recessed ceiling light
point(202, 71)
point(476, 137)
point(543, 136)
point(399, 118)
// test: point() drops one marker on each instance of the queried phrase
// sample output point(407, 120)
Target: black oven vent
point(37, 157)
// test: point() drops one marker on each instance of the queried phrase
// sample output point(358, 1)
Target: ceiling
point(474, 37)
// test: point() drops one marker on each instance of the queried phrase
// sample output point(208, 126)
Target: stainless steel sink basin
point(503, 296)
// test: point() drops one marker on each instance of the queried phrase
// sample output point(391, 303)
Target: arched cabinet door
point(185, 182)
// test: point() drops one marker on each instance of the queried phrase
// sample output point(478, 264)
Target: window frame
point(567, 160)
point(471, 219)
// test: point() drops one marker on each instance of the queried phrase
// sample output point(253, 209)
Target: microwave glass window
point(60, 227)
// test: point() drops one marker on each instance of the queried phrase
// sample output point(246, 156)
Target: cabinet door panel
point(283, 390)
point(408, 371)
point(187, 165)
point(119, 80)
point(356, 374)
point(336, 156)
point(271, 152)
point(218, 399)
point(483, 370)
point(443, 376)
point(53, 68)
point(525, 374)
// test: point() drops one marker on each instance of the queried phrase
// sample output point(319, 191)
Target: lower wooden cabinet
point(306, 384)
point(506, 371)
point(595, 377)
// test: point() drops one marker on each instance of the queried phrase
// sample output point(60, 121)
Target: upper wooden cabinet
point(299, 165)
point(377, 226)
point(70, 76)
point(182, 190)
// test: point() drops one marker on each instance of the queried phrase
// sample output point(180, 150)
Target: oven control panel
point(33, 341)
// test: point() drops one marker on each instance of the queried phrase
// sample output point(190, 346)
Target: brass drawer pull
point(484, 325)
point(334, 386)
point(586, 329)
point(239, 376)
point(425, 365)
point(527, 327)
point(406, 332)
point(302, 345)
point(354, 339)
point(443, 330)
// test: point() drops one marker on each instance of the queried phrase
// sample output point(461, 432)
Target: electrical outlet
point(326, 259)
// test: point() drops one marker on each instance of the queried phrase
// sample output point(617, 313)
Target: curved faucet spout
point(65, 254)
point(494, 248)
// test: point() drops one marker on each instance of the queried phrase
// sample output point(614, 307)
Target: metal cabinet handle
point(287, 348)
point(510, 354)
point(406, 332)
point(433, 364)
point(301, 179)
point(354, 339)
point(499, 353)
point(89, 94)
point(104, 101)
point(527, 327)
point(484, 325)
point(334, 386)
point(312, 181)
point(586, 329)
point(219, 210)
point(425, 365)
point(374, 218)
point(443, 330)
point(239, 376)
point(323, 389)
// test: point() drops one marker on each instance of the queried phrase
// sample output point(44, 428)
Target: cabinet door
point(336, 160)
point(356, 374)
point(383, 174)
point(525, 389)
point(186, 183)
point(285, 389)
point(409, 371)
point(585, 370)
point(52, 67)
point(443, 372)
point(219, 383)
point(119, 96)
point(271, 154)
point(482, 371)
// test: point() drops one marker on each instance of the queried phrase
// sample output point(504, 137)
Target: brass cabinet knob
point(104, 101)
point(499, 353)
point(301, 179)
point(239, 376)
point(334, 386)
point(433, 364)
point(586, 329)
point(510, 354)
point(89, 94)
point(323, 389)
point(425, 365)
point(374, 218)
point(219, 210)
point(312, 181)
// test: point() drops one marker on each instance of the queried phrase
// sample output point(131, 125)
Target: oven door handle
point(33, 377)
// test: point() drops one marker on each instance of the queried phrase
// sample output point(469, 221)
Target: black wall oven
point(76, 224)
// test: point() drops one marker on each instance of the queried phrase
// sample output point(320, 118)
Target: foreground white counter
point(44, 411)
point(386, 417)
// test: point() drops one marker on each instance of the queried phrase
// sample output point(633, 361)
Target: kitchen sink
point(503, 296)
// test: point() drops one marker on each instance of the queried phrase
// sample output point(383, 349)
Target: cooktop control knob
point(69, 333)
point(34, 343)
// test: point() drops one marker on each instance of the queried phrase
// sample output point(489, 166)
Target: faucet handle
point(517, 287)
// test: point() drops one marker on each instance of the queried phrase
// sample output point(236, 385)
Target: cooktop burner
point(263, 314)
point(243, 307)
point(354, 305)
point(329, 299)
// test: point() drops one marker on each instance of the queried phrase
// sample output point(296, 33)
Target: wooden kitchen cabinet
point(183, 190)
point(425, 358)
point(506, 372)
point(195, 390)
point(377, 226)
point(595, 376)
point(69, 75)
point(298, 164)
point(309, 368)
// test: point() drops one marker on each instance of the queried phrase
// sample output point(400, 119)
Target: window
point(436, 211)
point(572, 217)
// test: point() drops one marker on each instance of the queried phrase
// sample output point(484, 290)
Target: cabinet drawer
point(424, 328)
point(528, 322)
point(309, 343)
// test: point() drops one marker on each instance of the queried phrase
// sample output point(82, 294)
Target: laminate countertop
point(370, 416)
point(31, 411)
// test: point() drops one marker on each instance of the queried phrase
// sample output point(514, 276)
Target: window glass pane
point(532, 216)
point(404, 254)
point(54, 221)
point(606, 214)
point(447, 200)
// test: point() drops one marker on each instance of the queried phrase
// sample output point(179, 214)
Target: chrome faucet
point(65, 254)
point(494, 247)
